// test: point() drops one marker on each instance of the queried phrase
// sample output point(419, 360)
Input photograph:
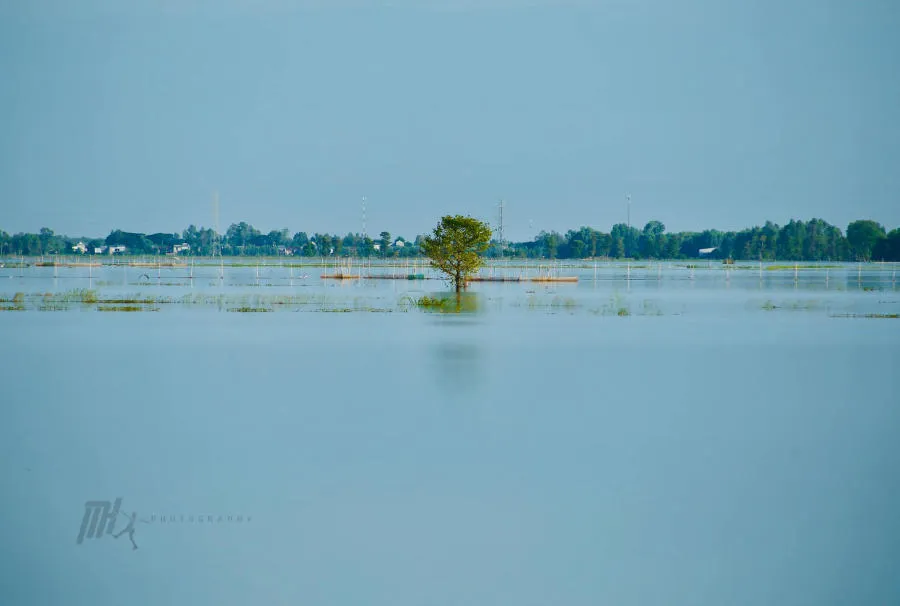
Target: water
point(727, 439)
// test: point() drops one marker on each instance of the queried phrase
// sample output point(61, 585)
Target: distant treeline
point(814, 240)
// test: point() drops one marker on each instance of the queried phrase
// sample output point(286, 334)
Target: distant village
point(813, 240)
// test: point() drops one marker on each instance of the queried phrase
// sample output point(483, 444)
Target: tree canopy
point(456, 247)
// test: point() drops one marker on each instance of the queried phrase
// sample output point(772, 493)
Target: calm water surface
point(729, 438)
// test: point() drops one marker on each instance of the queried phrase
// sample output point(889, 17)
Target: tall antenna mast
point(215, 205)
point(365, 235)
point(628, 197)
point(500, 234)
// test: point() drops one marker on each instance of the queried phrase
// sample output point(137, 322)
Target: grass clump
point(427, 301)
point(882, 316)
point(125, 308)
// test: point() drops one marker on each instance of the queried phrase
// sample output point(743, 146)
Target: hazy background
point(710, 113)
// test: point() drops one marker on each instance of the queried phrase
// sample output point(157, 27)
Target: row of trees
point(814, 240)
point(241, 239)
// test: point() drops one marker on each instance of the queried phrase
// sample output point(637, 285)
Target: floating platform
point(54, 264)
point(521, 279)
point(557, 279)
point(373, 277)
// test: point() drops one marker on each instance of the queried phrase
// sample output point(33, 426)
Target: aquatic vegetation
point(565, 302)
point(883, 316)
point(249, 309)
point(427, 301)
point(125, 308)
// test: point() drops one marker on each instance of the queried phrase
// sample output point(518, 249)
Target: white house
point(80, 248)
point(376, 246)
point(116, 249)
point(99, 250)
point(180, 248)
point(284, 250)
point(399, 243)
point(706, 251)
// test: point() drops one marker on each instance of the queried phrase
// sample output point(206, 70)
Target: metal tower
point(215, 205)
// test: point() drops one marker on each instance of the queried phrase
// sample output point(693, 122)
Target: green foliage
point(427, 301)
point(813, 240)
point(456, 246)
point(863, 237)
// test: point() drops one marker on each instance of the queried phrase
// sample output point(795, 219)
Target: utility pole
point(215, 223)
point(628, 197)
point(500, 233)
point(365, 235)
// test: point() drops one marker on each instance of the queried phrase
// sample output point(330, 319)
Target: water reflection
point(458, 356)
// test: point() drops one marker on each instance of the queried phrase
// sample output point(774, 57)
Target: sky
point(708, 113)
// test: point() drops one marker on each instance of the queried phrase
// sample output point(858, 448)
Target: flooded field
point(675, 433)
point(598, 288)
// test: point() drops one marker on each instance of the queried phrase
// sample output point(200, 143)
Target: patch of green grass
point(426, 301)
point(125, 308)
point(889, 316)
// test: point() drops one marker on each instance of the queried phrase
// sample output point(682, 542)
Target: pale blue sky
point(709, 113)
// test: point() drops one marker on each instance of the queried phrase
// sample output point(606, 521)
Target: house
point(80, 248)
point(99, 250)
point(706, 251)
point(284, 250)
point(399, 243)
point(376, 246)
point(117, 249)
point(177, 248)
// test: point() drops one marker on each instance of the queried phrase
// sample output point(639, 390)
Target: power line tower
point(628, 199)
point(500, 230)
point(215, 206)
point(365, 235)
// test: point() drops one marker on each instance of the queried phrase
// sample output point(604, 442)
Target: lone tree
point(455, 247)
